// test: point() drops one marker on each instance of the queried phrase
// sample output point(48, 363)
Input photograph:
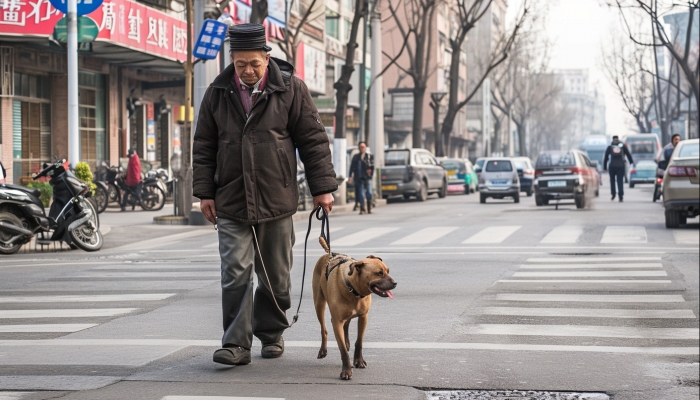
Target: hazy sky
point(579, 28)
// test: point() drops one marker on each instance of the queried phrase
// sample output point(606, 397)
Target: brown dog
point(346, 285)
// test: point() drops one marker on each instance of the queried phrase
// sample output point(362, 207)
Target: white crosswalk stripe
point(624, 234)
point(218, 398)
point(362, 236)
point(67, 328)
point(591, 266)
point(14, 395)
point(563, 234)
point(65, 313)
point(584, 274)
point(85, 298)
point(426, 235)
point(585, 331)
point(492, 235)
point(687, 237)
point(595, 298)
point(139, 274)
point(589, 312)
point(591, 281)
point(591, 259)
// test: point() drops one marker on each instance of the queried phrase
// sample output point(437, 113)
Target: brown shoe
point(362, 209)
point(273, 350)
point(369, 206)
point(232, 356)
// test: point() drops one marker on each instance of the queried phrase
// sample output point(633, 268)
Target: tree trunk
point(521, 139)
point(343, 86)
point(258, 11)
point(417, 128)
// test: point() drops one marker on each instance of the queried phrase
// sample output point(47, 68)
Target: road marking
point(592, 259)
point(139, 274)
point(588, 312)
point(141, 266)
point(174, 343)
point(492, 234)
point(582, 266)
point(219, 398)
point(13, 395)
point(687, 237)
point(592, 274)
point(54, 382)
point(161, 241)
point(629, 332)
point(426, 235)
point(85, 298)
point(622, 281)
point(563, 234)
point(362, 236)
point(595, 298)
point(65, 313)
point(301, 235)
point(45, 328)
point(624, 234)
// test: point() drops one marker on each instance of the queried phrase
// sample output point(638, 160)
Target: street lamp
point(435, 105)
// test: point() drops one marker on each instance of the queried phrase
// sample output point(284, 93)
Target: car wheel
point(539, 201)
point(657, 193)
point(443, 190)
point(482, 198)
point(673, 219)
point(516, 198)
point(682, 219)
point(631, 185)
point(422, 194)
point(545, 201)
point(580, 200)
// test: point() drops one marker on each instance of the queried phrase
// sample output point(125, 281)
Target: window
point(396, 157)
point(91, 97)
point(332, 23)
point(556, 159)
point(349, 5)
point(499, 166)
point(347, 27)
point(402, 106)
point(689, 150)
point(31, 125)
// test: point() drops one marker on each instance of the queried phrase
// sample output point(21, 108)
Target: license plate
point(556, 184)
point(451, 172)
point(390, 187)
point(500, 182)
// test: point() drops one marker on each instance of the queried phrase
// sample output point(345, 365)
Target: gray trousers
point(247, 312)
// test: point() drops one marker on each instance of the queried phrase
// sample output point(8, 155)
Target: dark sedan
point(565, 175)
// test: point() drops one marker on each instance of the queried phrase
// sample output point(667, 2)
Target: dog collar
point(352, 289)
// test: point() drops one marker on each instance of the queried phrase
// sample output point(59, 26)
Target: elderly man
point(253, 119)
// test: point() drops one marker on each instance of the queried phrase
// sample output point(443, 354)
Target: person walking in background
point(616, 153)
point(133, 177)
point(361, 170)
point(668, 149)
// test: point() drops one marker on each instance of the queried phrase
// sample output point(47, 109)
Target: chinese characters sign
point(211, 37)
point(122, 22)
point(84, 6)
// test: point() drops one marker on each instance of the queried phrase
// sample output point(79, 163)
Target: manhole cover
point(512, 395)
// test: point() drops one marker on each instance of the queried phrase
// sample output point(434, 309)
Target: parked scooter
point(72, 219)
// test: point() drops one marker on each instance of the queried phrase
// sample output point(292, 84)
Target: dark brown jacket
point(249, 167)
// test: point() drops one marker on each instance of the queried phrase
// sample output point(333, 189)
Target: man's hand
point(209, 210)
point(324, 200)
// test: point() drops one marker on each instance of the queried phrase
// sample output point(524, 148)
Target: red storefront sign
point(122, 22)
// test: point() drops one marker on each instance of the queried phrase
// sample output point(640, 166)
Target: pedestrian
point(361, 171)
point(133, 177)
point(668, 149)
point(252, 119)
point(616, 153)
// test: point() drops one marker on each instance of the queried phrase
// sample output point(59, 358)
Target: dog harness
point(343, 259)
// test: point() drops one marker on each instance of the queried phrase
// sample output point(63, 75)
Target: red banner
point(122, 22)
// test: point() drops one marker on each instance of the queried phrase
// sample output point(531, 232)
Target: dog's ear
point(355, 266)
point(371, 256)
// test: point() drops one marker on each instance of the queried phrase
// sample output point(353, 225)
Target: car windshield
point(520, 164)
point(690, 150)
point(556, 160)
point(498, 166)
point(396, 157)
point(639, 145)
point(479, 163)
point(453, 164)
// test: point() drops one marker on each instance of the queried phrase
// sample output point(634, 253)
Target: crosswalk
point(613, 235)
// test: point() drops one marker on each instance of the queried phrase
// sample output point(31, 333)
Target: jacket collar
point(278, 77)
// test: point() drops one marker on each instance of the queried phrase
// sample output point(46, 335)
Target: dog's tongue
point(391, 295)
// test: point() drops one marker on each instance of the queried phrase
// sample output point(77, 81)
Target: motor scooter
point(72, 219)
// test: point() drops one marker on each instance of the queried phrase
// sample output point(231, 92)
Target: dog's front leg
point(359, 361)
point(346, 373)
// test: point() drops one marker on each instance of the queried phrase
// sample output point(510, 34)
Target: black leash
point(322, 216)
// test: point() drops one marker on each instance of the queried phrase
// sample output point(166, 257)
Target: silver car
point(499, 179)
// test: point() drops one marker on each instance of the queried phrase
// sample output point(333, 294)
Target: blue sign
point(84, 6)
point(210, 39)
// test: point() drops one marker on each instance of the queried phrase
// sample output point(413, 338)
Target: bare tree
point(258, 11)
point(415, 22)
point(468, 13)
point(626, 66)
point(293, 37)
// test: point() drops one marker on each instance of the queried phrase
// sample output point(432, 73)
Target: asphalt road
point(495, 296)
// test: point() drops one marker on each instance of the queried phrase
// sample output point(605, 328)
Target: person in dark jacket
point(253, 118)
point(668, 149)
point(361, 171)
point(133, 177)
point(616, 153)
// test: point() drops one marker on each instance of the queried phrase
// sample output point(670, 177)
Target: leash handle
point(322, 216)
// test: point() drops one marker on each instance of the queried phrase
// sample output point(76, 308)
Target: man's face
point(675, 140)
point(362, 147)
point(250, 65)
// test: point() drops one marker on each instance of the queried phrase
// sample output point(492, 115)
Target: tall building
point(587, 104)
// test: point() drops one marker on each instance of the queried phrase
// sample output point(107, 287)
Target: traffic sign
point(210, 39)
point(87, 30)
point(84, 6)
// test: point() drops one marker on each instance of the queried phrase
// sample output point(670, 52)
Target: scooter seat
point(34, 192)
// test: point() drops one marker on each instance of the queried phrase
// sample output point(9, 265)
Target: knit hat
point(248, 37)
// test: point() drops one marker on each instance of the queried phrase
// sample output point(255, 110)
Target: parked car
point(565, 175)
point(681, 185)
point(526, 174)
point(460, 175)
point(499, 179)
point(479, 165)
point(643, 172)
point(412, 172)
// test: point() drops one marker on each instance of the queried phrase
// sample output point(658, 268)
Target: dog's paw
point(322, 353)
point(360, 363)
point(346, 375)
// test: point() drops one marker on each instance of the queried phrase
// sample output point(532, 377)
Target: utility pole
point(376, 89)
point(73, 108)
point(486, 118)
point(185, 182)
point(363, 91)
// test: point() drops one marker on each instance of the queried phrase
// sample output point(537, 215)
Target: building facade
point(587, 104)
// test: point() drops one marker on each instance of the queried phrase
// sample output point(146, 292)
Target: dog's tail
point(323, 243)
